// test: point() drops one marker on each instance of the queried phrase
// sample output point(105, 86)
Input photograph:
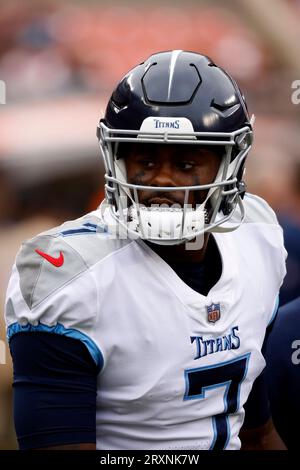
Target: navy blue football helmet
point(184, 98)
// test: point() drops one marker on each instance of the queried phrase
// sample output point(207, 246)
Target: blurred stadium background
point(59, 61)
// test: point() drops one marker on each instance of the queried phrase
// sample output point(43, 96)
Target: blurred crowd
point(59, 61)
point(60, 48)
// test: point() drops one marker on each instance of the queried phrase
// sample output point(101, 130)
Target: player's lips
point(159, 201)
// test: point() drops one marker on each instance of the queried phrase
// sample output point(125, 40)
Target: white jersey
point(176, 367)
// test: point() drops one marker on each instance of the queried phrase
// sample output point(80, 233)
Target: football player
point(141, 324)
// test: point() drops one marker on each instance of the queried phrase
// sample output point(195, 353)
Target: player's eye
point(185, 165)
point(147, 163)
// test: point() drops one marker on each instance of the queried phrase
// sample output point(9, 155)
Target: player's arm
point(258, 431)
point(264, 437)
point(55, 382)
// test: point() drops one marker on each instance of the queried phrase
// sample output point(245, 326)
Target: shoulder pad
point(53, 258)
point(258, 210)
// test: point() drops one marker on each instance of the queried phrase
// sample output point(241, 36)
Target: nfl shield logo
point(213, 312)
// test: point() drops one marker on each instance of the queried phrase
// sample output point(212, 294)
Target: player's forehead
point(169, 150)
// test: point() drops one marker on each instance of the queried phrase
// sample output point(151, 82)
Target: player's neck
point(180, 253)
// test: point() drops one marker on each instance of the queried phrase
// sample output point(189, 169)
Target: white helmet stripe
point(174, 57)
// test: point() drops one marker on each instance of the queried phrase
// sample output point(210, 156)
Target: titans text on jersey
point(213, 345)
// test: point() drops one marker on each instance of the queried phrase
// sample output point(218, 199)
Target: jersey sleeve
point(55, 388)
point(52, 290)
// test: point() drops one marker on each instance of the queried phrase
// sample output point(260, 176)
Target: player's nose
point(165, 176)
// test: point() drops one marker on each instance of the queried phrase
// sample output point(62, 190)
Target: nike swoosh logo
point(58, 262)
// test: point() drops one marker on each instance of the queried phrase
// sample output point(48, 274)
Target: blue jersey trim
point(88, 224)
point(275, 310)
point(59, 329)
point(78, 231)
point(85, 228)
